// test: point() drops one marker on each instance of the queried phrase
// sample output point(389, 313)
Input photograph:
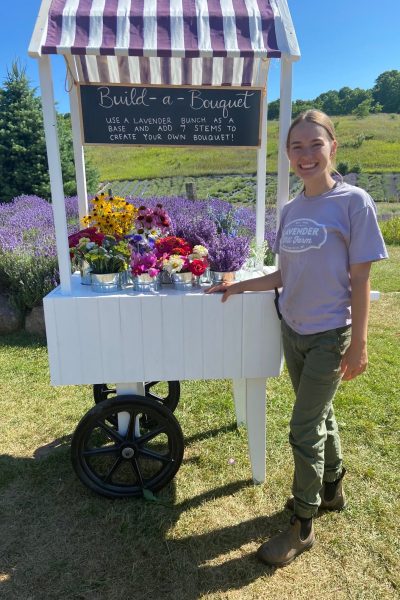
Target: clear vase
point(125, 279)
point(206, 277)
point(145, 283)
point(182, 281)
point(84, 269)
point(104, 283)
point(223, 276)
point(165, 278)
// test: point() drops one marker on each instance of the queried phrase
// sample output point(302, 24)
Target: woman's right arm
point(258, 284)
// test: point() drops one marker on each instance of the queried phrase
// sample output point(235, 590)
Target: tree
point(273, 109)
point(363, 109)
point(23, 158)
point(23, 163)
point(329, 102)
point(386, 91)
point(67, 159)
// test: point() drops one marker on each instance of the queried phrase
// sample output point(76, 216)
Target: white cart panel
point(128, 336)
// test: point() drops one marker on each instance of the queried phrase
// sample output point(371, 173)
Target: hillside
point(372, 142)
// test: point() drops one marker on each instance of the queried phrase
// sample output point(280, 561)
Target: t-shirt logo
point(301, 235)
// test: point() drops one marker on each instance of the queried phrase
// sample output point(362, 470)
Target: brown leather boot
point(332, 495)
point(283, 548)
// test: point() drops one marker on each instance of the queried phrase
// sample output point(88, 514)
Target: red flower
point(197, 267)
point(173, 245)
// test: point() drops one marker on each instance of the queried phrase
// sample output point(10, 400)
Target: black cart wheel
point(166, 392)
point(144, 452)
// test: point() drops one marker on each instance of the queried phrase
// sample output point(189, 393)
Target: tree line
point(383, 97)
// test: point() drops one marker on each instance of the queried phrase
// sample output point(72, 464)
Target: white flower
point(173, 264)
point(200, 251)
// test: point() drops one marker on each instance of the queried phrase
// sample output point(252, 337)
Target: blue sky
point(343, 43)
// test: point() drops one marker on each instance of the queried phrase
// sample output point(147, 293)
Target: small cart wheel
point(167, 392)
point(125, 445)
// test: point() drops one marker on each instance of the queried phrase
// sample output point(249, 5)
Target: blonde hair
point(319, 118)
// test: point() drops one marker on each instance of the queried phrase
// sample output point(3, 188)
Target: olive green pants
point(313, 362)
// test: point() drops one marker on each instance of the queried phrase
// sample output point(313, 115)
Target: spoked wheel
point(166, 392)
point(126, 444)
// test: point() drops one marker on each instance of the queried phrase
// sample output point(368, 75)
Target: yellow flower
point(112, 215)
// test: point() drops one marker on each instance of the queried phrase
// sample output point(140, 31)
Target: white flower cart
point(130, 440)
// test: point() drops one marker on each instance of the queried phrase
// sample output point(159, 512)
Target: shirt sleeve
point(275, 247)
point(366, 241)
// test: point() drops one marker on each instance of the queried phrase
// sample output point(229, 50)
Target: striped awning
point(214, 42)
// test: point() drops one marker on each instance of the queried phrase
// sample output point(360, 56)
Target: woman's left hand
point(354, 362)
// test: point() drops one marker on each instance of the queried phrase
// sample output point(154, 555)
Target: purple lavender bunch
point(227, 253)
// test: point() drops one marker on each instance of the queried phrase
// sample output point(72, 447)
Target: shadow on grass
point(22, 339)
point(58, 539)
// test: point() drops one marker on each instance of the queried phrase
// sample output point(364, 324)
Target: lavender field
point(28, 256)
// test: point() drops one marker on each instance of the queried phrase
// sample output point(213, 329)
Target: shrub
point(28, 256)
point(357, 168)
point(342, 167)
point(391, 230)
point(28, 278)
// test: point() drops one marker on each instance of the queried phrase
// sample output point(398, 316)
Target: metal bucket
point(145, 283)
point(182, 281)
point(104, 283)
point(223, 276)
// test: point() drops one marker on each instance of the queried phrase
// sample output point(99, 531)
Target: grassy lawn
point(58, 540)
point(372, 142)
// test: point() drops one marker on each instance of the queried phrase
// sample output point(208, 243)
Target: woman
point(327, 239)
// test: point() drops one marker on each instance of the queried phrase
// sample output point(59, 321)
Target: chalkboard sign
point(170, 116)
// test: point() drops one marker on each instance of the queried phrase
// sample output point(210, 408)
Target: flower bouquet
point(107, 261)
point(154, 222)
point(145, 269)
point(77, 251)
point(227, 255)
point(111, 215)
point(181, 261)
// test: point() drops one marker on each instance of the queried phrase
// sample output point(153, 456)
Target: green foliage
point(383, 97)
point(391, 230)
point(67, 160)
point(386, 91)
point(23, 163)
point(342, 167)
point(363, 109)
point(23, 158)
point(357, 168)
point(28, 278)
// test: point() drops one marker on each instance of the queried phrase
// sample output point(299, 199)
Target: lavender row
point(27, 226)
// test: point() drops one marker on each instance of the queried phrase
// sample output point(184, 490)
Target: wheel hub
point(128, 452)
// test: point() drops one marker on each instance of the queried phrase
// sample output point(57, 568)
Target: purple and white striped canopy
point(215, 42)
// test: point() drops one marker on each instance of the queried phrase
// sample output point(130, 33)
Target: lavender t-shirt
point(318, 239)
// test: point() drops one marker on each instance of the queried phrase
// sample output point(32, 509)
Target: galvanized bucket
point(145, 283)
point(223, 276)
point(182, 281)
point(104, 283)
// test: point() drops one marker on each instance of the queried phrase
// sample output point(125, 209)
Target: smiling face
point(310, 151)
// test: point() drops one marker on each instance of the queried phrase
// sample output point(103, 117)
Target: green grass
point(379, 152)
point(58, 540)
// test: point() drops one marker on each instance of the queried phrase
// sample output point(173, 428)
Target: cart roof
point(213, 42)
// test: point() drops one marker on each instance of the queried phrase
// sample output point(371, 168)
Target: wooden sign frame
point(260, 90)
